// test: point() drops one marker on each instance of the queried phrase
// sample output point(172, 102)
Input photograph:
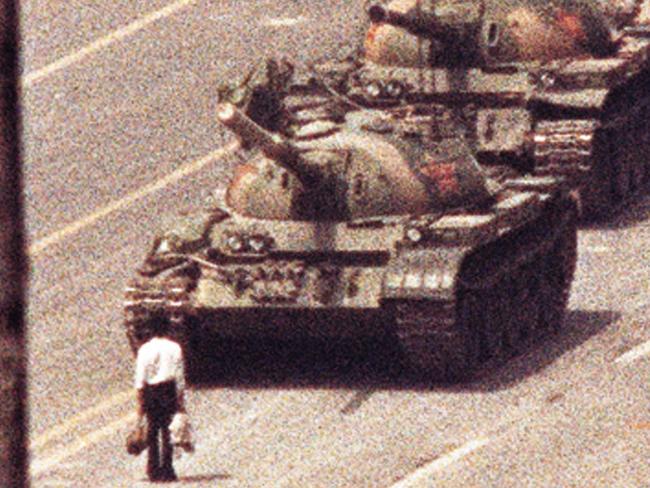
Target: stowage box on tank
point(557, 87)
point(347, 216)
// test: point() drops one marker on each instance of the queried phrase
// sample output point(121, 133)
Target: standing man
point(160, 383)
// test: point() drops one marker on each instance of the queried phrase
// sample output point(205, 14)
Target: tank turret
point(417, 164)
point(478, 33)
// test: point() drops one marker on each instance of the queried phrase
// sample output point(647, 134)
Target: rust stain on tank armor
point(241, 174)
point(371, 35)
point(443, 175)
point(570, 24)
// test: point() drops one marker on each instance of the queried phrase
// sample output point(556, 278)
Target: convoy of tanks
point(428, 188)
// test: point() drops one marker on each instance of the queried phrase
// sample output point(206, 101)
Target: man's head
point(155, 327)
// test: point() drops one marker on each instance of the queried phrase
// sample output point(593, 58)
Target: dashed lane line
point(183, 171)
point(39, 466)
point(283, 21)
point(105, 41)
point(634, 354)
point(596, 249)
point(79, 419)
point(422, 476)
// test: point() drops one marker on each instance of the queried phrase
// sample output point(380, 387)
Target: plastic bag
point(136, 441)
point(180, 431)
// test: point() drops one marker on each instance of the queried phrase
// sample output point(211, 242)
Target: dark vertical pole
point(13, 418)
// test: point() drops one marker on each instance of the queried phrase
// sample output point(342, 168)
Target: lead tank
point(554, 87)
point(344, 220)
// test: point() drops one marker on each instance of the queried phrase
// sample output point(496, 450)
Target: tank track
point(606, 155)
point(518, 302)
point(563, 147)
point(608, 174)
point(151, 299)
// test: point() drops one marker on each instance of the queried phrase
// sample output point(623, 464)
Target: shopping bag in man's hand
point(136, 441)
point(181, 432)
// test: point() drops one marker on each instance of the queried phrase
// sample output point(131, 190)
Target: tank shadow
point(371, 363)
point(633, 212)
point(579, 326)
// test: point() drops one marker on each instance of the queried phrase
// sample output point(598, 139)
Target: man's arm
point(180, 380)
point(139, 385)
point(140, 405)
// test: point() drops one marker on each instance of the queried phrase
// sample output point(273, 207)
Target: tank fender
point(424, 274)
point(184, 235)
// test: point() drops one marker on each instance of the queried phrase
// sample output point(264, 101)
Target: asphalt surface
point(117, 100)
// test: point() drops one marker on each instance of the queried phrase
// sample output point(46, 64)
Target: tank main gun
point(458, 32)
point(484, 32)
point(419, 22)
point(273, 146)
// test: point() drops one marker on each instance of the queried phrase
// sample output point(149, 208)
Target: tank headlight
point(414, 235)
point(235, 243)
point(256, 243)
point(168, 243)
point(394, 89)
point(547, 80)
point(373, 89)
point(164, 246)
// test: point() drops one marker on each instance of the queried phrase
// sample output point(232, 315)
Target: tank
point(345, 220)
point(554, 87)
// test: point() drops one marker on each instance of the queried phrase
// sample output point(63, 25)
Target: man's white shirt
point(159, 360)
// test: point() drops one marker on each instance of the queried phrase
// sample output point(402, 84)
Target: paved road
point(119, 101)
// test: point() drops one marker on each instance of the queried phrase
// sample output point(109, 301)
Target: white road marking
point(220, 17)
point(634, 354)
point(39, 466)
point(596, 249)
point(105, 41)
point(283, 21)
point(183, 171)
point(80, 418)
point(421, 477)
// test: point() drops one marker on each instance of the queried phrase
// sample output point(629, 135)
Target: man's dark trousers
point(160, 405)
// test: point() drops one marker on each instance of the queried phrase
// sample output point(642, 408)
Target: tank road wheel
point(434, 344)
point(528, 303)
point(621, 181)
point(491, 327)
point(512, 333)
point(558, 269)
point(638, 176)
point(469, 314)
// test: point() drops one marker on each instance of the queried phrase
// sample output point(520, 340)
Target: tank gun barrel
point(419, 22)
point(252, 134)
point(272, 145)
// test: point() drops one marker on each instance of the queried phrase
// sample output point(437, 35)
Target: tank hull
point(453, 290)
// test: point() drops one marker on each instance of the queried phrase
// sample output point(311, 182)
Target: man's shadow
point(197, 478)
point(373, 363)
point(203, 477)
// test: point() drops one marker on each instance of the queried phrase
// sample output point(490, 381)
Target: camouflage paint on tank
point(376, 176)
point(486, 32)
